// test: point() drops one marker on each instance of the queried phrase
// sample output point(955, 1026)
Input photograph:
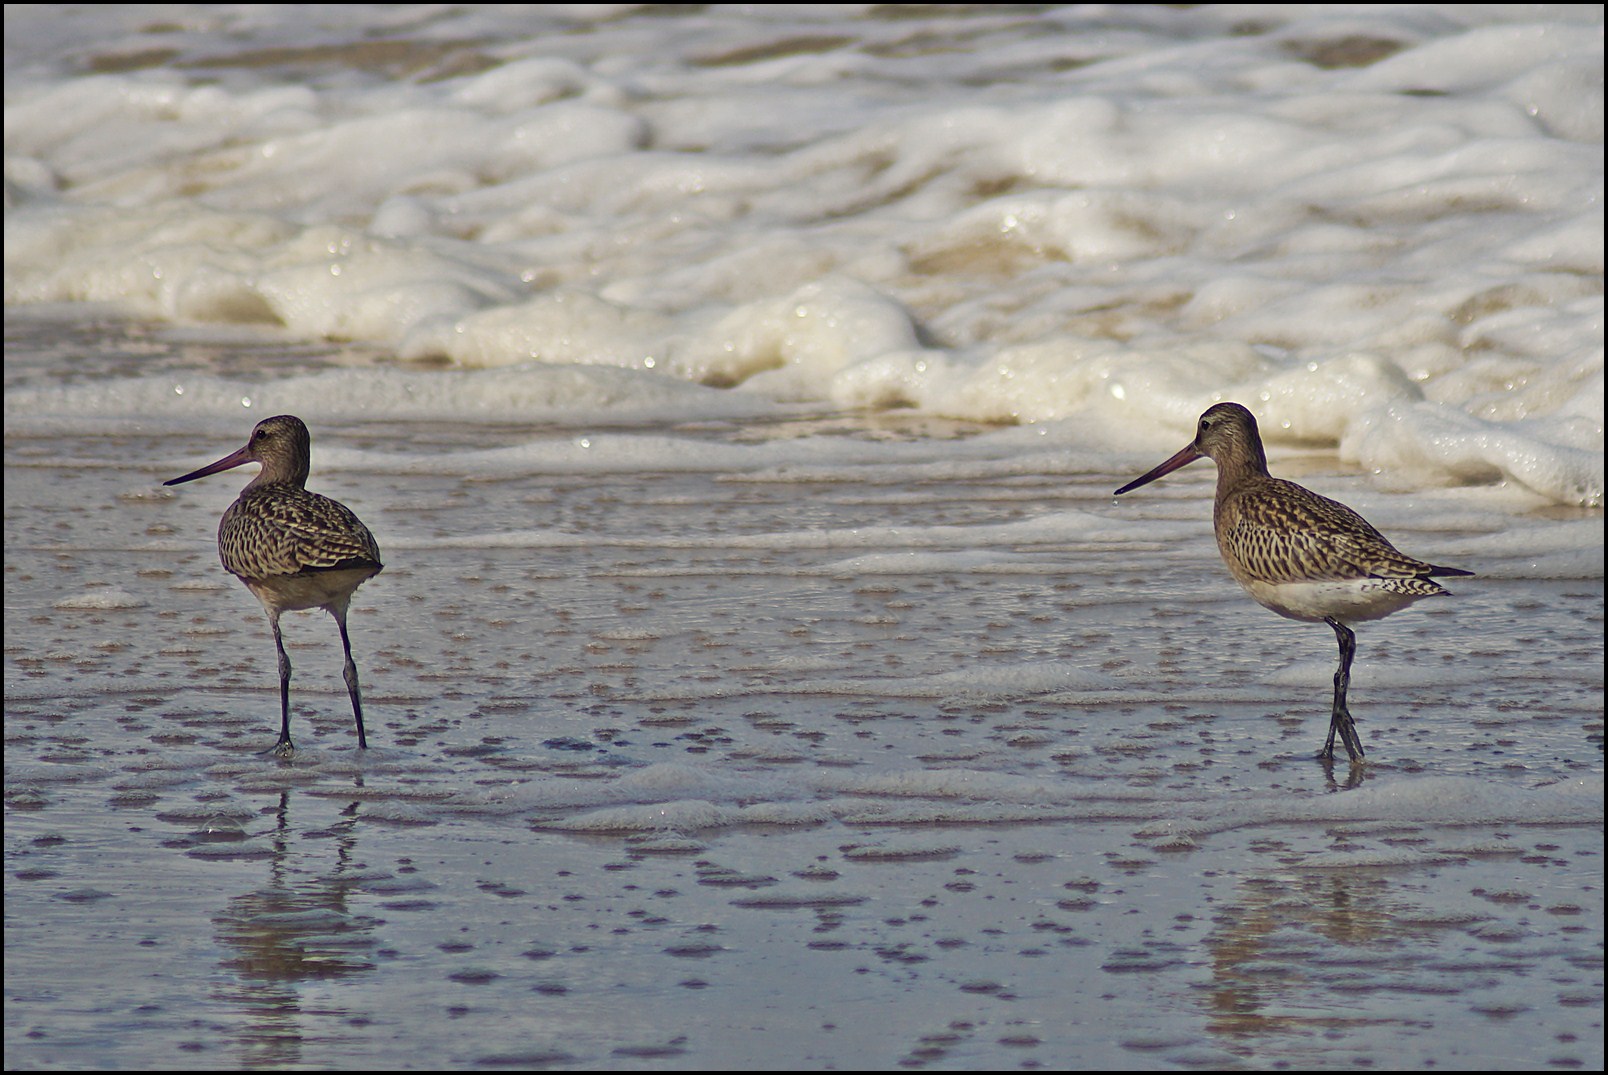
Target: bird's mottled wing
point(1282, 532)
point(279, 530)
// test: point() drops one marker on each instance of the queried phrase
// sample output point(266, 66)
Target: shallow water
point(694, 768)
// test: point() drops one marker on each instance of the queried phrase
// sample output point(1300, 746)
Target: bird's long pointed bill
point(1185, 457)
point(228, 462)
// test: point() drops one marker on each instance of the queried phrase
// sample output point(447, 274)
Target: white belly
point(1347, 600)
point(309, 589)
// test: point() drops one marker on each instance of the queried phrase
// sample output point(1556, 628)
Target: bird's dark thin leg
point(284, 746)
point(1340, 719)
point(351, 678)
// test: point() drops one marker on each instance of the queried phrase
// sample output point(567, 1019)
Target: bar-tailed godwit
point(293, 549)
point(1300, 554)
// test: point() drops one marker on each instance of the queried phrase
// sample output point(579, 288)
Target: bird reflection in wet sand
point(293, 549)
point(1302, 555)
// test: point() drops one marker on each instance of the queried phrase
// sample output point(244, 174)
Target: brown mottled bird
point(1300, 554)
point(293, 549)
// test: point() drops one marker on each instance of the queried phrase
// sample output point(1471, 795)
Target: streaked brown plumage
point(1302, 555)
point(293, 549)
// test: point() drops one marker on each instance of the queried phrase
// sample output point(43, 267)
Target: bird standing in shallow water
point(293, 549)
point(1302, 555)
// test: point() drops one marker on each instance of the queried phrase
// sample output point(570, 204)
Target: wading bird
point(293, 549)
point(1300, 554)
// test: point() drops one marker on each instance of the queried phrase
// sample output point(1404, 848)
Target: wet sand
point(955, 765)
